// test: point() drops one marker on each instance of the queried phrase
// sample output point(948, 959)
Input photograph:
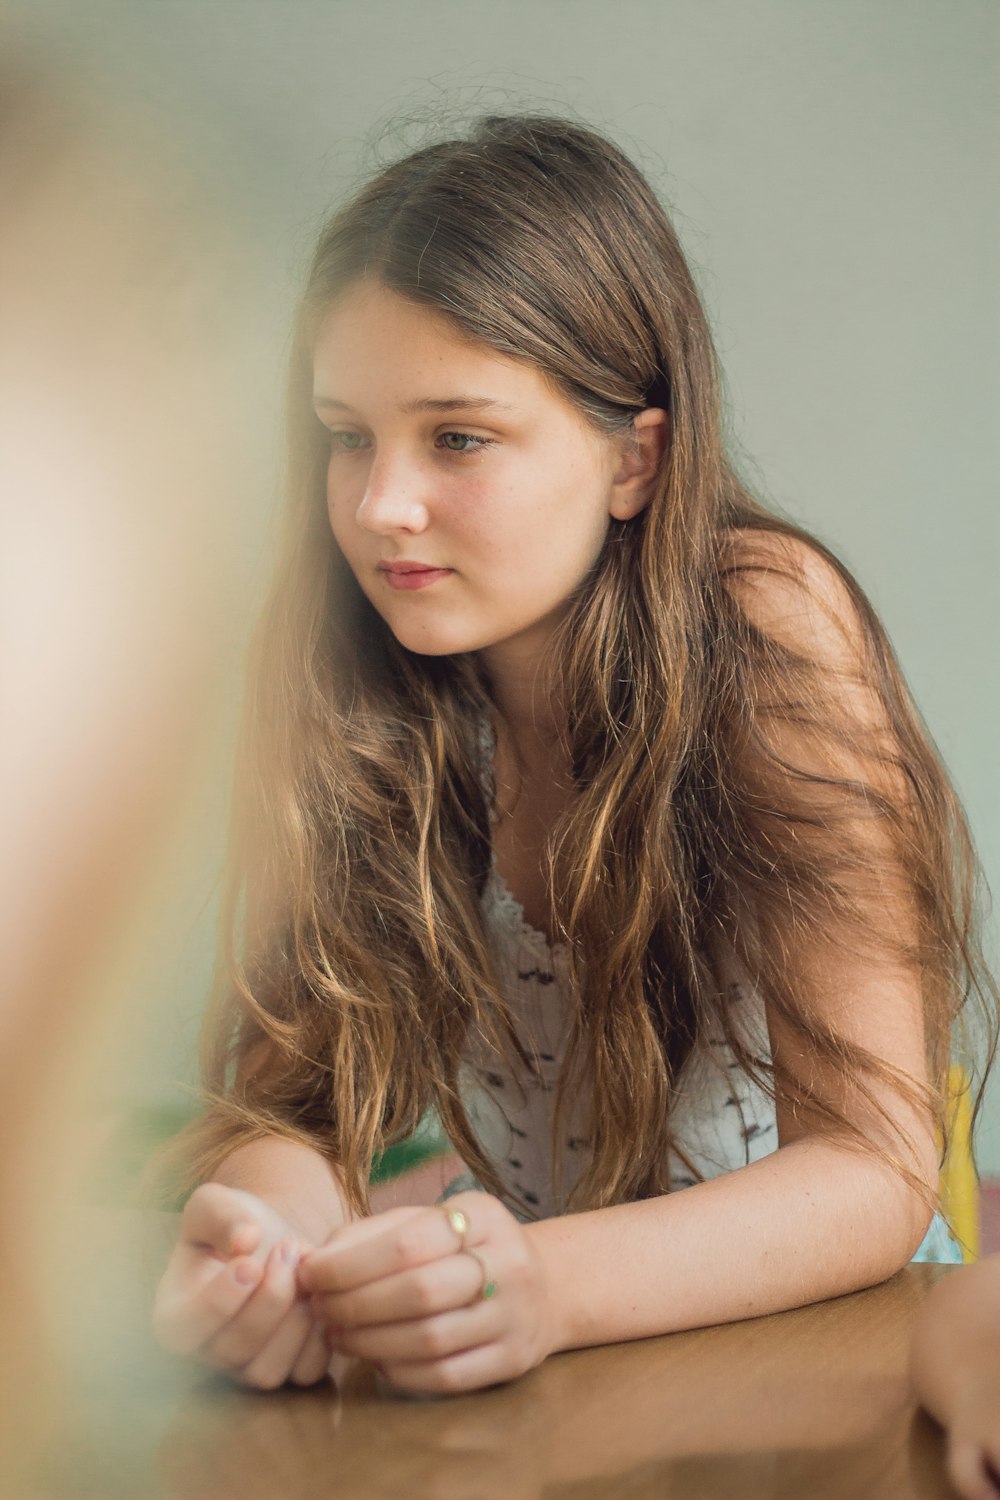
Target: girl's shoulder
point(794, 591)
point(818, 674)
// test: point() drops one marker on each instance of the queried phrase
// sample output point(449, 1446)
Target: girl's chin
point(456, 641)
point(448, 637)
point(434, 643)
point(442, 643)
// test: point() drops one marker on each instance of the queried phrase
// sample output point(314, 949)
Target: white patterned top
point(720, 1117)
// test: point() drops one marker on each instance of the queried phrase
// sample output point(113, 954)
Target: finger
point(423, 1339)
point(967, 1470)
point(453, 1281)
point(350, 1236)
point(184, 1320)
point(412, 1238)
point(217, 1217)
point(273, 1364)
point(470, 1370)
point(314, 1358)
point(244, 1335)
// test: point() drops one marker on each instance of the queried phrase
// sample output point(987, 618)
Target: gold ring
point(489, 1286)
point(459, 1223)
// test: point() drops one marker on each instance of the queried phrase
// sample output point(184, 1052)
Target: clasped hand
point(243, 1293)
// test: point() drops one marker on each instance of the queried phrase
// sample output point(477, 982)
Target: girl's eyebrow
point(426, 403)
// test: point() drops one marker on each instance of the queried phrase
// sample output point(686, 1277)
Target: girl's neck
point(530, 712)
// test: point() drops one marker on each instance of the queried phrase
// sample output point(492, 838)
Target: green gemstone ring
point(489, 1286)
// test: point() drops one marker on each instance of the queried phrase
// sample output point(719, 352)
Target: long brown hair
point(355, 962)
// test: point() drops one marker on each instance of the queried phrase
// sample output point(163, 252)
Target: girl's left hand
point(400, 1289)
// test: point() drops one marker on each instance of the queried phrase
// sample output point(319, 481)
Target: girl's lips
point(409, 577)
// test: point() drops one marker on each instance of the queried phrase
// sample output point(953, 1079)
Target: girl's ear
point(641, 462)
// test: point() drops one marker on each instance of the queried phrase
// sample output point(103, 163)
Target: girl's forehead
point(371, 317)
point(373, 342)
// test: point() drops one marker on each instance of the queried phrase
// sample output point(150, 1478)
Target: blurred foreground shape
point(123, 453)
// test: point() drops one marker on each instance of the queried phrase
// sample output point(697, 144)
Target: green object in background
point(427, 1141)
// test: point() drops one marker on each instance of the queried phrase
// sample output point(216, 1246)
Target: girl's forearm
point(294, 1179)
point(811, 1221)
point(958, 1337)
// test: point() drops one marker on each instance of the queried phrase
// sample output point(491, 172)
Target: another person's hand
point(435, 1315)
point(229, 1296)
point(974, 1432)
point(955, 1369)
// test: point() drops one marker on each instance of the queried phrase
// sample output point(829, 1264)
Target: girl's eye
point(345, 442)
point(470, 443)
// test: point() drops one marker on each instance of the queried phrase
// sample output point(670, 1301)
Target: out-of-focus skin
point(956, 1373)
point(229, 1295)
point(116, 474)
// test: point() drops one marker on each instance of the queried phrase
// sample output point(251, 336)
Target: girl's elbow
point(910, 1227)
point(902, 1218)
point(917, 1233)
point(917, 1196)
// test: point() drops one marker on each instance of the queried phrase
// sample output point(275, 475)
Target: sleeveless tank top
point(722, 1120)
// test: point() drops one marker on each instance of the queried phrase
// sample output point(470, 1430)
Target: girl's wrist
point(556, 1333)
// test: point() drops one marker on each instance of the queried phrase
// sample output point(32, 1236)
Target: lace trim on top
point(500, 905)
point(522, 945)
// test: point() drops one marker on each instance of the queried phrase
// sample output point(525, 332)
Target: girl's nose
point(394, 500)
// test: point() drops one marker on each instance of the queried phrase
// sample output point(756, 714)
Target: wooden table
point(808, 1405)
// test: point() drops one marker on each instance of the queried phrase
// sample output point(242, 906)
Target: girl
point(583, 802)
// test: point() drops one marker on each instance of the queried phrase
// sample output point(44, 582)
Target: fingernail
point(247, 1272)
point(289, 1253)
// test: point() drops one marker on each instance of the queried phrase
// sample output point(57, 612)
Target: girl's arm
point(815, 1219)
point(812, 1221)
point(293, 1179)
point(956, 1373)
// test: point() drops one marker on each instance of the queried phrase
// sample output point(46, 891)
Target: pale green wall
point(829, 163)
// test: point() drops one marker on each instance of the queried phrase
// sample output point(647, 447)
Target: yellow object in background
point(959, 1185)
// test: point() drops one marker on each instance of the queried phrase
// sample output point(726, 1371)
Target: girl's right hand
point(229, 1298)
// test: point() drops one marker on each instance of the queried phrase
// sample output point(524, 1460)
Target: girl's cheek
point(339, 516)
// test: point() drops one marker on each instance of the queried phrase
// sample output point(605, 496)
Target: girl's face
point(467, 495)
